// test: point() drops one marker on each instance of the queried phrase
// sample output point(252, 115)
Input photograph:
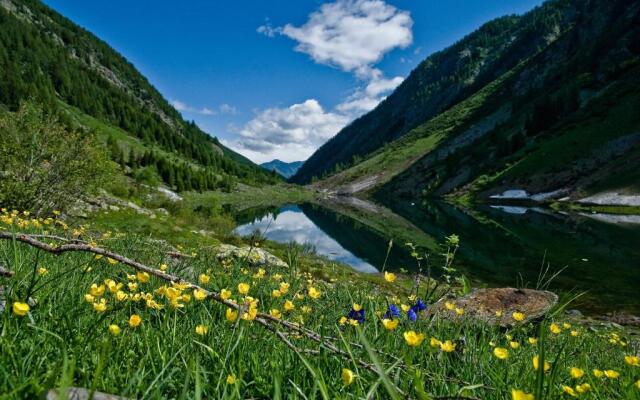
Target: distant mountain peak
point(286, 169)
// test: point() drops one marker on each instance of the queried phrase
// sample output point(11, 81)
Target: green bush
point(44, 165)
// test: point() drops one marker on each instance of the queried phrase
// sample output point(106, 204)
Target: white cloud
point(367, 98)
point(268, 30)
point(291, 134)
point(350, 34)
point(185, 108)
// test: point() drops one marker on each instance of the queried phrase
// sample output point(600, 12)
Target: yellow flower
point(289, 306)
point(638, 383)
point(611, 374)
point(96, 290)
point(163, 267)
point(204, 278)
point(449, 305)
point(514, 345)
point(390, 324)
point(413, 339)
point(134, 320)
point(356, 307)
point(405, 307)
point(533, 340)
point(100, 306)
point(231, 315)
point(459, 311)
point(225, 294)
point(434, 342)
point(576, 372)
point(20, 309)
point(520, 395)
point(98, 256)
point(199, 294)
point(575, 333)
point(342, 320)
point(389, 277)
point(275, 313)
point(598, 373)
point(314, 293)
point(89, 298)
point(566, 325)
point(299, 296)
point(501, 353)
point(243, 288)
point(201, 330)
point(569, 390)
point(231, 379)
point(132, 286)
point(632, 360)
point(448, 346)
point(284, 287)
point(348, 376)
point(142, 277)
point(584, 388)
point(555, 329)
point(42, 271)
point(112, 261)
point(306, 309)
point(114, 329)
point(121, 296)
point(518, 316)
point(499, 314)
point(536, 364)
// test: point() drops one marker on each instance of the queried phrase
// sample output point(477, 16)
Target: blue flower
point(392, 312)
point(357, 315)
point(411, 314)
point(420, 306)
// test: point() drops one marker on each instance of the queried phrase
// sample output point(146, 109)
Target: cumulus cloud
point(351, 34)
point(291, 133)
point(184, 107)
point(367, 98)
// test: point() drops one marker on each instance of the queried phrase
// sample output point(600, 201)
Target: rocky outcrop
point(497, 305)
point(255, 256)
point(74, 393)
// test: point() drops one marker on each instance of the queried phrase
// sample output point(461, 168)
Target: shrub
point(45, 165)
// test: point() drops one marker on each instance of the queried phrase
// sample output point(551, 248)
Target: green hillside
point(47, 58)
point(561, 120)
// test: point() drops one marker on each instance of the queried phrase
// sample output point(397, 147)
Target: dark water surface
point(498, 247)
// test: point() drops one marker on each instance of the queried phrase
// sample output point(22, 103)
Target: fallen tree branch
point(5, 272)
point(265, 320)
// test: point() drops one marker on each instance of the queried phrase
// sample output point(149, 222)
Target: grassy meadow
point(229, 330)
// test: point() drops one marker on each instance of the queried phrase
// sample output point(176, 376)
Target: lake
point(499, 246)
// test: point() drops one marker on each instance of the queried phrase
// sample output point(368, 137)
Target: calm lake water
point(500, 246)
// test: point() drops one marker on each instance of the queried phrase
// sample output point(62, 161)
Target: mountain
point(285, 169)
point(47, 58)
point(544, 103)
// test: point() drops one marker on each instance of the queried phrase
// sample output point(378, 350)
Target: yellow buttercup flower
point(135, 320)
point(632, 360)
point(390, 324)
point(342, 320)
point(121, 296)
point(569, 390)
point(348, 376)
point(42, 271)
point(284, 287)
point(201, 330)
point(20, 309)
point(204, 278)
point(459, 311)
point(598, 373)
point(132, 286)
point(231, 379)
point(514, 345)
point(518, 316)
point(520, 395)
point(100, 306)
point(96, 290)
point(299, 296)
point(243, 288)
point(231, 315)
point(225, 294)
point(638, 383)
point(533, 340)
point(289, 306)
point(405, 307)
point(199, 294)
point(413, 339)
point(448, 346)
point(275, 293)
point(114, 329)
point(112, 261)
point(499, 314)
point(583, 388)
point(576, 372)
point(555, 329)
point(275, 313)
point(449, 305)
point(389, 277)
point(89, 298)
point(536, 364)
point(434, 342)
point(314, 293)
point(143, 277)
point(611, 374)
point(356, 307)
point(501, 353)
point(306, 309)
point(566, 325)
point(575, 333)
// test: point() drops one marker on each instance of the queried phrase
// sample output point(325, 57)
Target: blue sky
point(275, 78)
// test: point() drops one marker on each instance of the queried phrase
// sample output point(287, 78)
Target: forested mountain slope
point(563, 120)
point(46, 57)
